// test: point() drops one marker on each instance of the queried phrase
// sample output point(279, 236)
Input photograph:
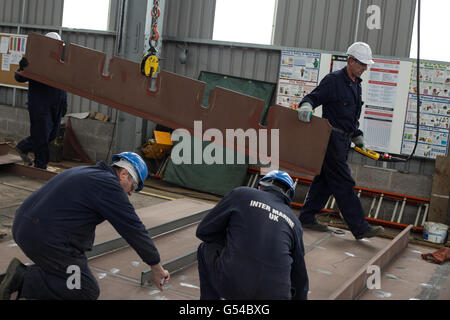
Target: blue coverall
point(341, 102)
point(46, 107)
point(252, 248)
point(55, 226)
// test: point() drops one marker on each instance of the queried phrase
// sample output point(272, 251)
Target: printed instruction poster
point(380, 99)
point(377, 127)
point(12, 48)
point(434, 119)
point(299, 75)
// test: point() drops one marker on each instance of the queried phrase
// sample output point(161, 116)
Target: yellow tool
point(368, 153)
point(158, 147)
point(379, 157)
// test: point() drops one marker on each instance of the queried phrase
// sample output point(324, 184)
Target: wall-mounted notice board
point(12, 49)
point(434, 119)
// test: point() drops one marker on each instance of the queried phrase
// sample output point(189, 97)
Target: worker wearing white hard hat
point(46, 106)
point(339, 93)
point(53, 35)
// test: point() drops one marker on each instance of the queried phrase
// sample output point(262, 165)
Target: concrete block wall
point(389, 180)
point(94, 136)
point(14, 123)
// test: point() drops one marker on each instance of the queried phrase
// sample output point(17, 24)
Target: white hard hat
point(53, 35)
point(361, 51)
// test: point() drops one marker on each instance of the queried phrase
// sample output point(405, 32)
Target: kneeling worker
point(252, 244)
point(55, 226)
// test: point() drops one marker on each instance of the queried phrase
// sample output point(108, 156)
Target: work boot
point(371, 232)
point(13, 280)
point(316, 226)
point(26, 159)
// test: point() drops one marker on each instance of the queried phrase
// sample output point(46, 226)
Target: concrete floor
point(331, 258)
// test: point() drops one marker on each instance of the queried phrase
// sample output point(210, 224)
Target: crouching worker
point(252, 244)
point(56, 225)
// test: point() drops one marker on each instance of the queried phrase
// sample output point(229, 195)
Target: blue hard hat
point(281, 176)
point(138, 164)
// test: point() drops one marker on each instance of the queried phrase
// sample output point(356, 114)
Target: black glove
point(23, 63)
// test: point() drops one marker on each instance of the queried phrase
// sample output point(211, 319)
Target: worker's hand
point(23, 63)
point(359, 141)
point(305, 112)
point(160, 276)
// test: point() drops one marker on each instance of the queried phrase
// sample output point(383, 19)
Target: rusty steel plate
point(176, 102)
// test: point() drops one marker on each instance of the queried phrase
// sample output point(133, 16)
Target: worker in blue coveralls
point(252, 245)
point(55, 227)
point(46, 107)
point(339, 93)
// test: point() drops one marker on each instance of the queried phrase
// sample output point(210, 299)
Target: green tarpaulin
point(218, 178)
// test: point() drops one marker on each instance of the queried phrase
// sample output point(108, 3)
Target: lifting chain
point(150, 62)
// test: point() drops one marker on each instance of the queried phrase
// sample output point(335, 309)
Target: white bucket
point(435, 232)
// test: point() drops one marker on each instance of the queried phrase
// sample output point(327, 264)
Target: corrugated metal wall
point(331, 24)
point(189, 18)
point(318, 24)
point(42, 16)
point(252, 63)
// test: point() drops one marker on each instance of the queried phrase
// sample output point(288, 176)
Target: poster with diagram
point(434, 110)
point(299, 75)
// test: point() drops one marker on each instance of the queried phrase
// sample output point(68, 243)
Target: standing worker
point(46, 107)
point(55, 226)
point(339, 93)
point(253, 246)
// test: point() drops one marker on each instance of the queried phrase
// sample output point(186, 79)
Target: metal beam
point(177, 102)
point(119, 243)
point(172, 266)
point(28, 171)
point(354, 286)
point(115, 244)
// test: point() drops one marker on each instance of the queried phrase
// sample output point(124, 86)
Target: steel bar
point(172, 266)
point(395, 211)
point(371, 207)
point(354, 286)
point(177, 102)
point(379, 206)
point(418, 215)
point(28, 171)
point(115, 244)
point(400, 214)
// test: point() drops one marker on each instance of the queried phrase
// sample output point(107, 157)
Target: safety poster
point(299, 75)
point(434, 119)
point(380, 99)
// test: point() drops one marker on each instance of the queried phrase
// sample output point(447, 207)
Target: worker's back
point(70, 205)
point(262, 237)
